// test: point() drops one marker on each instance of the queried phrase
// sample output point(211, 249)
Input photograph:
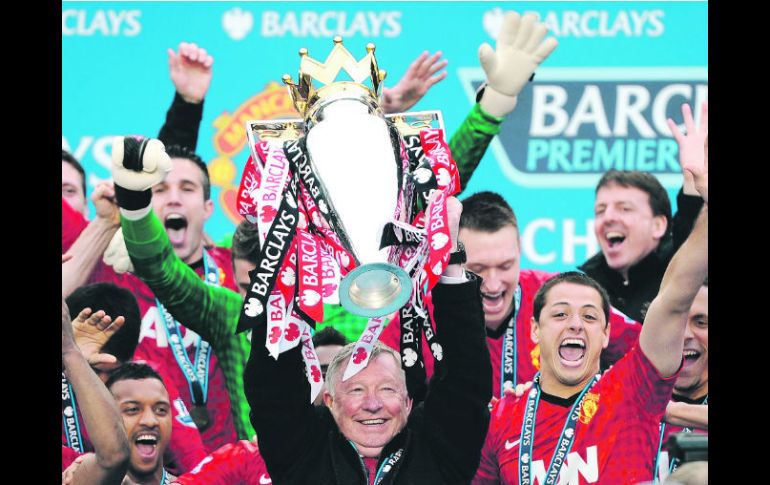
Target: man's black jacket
point(442, 439)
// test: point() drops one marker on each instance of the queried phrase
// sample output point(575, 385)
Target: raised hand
point(693, 151)
point(190, 71)
point(67, 338)
point(68, 475)
point(103, 198)
point(519, 391)
point(91, 331)
point(519, 50)
point(138, 163)
point(417, 80)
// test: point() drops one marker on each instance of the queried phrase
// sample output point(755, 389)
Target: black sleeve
point(183, 121)
point(288, 429)
point(456, 406)
point(687, 209)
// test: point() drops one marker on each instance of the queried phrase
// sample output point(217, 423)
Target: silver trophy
point(350, 150)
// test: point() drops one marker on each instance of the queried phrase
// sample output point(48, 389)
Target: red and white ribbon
point(437, 152)
point(312, 365)
point(276, 320)
point(275, 175)
point(439, 239)
point(341, 255)
point(247, 192)
point(309, 275)
point(292, 329)
point(330, 276)
point(363, 348)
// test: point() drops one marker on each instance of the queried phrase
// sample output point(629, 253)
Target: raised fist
point(138, 163)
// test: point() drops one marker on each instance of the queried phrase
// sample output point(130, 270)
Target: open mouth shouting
point(493, 302)
point(614, 239)
point(146, 445)
point(690, 357)
point(572, 351)
point(176, 228)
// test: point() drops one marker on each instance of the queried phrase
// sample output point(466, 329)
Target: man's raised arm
point(662, 337)
point(190, 68)
point(456, 406)
point(519, 50)
point(100, 413)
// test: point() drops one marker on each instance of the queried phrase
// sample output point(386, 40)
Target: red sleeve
point(488, 472)
point(186, 447)
point(72, 224)
point(651, 392)
point(224, 260)
point(68, 455)
point(624, 334)
point(234, 463)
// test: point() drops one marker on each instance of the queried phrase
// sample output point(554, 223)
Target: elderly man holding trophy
point(355, 207)
point(370, 199)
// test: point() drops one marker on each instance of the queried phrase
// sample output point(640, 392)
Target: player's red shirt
point(185, 448)
point(236, 463)
point(68, 455)
point(615, 437)
point(72, 224)
point(153, 343)
point(624, 333)
point(153, 346)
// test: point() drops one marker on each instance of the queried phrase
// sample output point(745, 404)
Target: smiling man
point(146, 409)
point(576, 425)
point(370, 422)
point(183, 203)
point(634, 227)
point(637, 236)
point(489, 231)
point(369, 431)
point(688, 411)
point(145, 406)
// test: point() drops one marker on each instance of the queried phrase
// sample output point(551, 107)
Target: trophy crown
point(305, 96)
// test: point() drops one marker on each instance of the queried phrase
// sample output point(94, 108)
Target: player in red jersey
point(233, 464)
point(688, 411)
point(240, 463)
point(145, 407)
point(186, 447)
point(182, 202)
point(490, 233)
point(576, 426)
point(104, 421)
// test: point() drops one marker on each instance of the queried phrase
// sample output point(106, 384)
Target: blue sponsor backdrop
point(599, 101)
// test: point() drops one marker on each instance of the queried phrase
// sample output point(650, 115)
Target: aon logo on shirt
point(574, 468)
point(153, 327)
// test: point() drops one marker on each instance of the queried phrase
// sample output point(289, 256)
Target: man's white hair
point(337, 365)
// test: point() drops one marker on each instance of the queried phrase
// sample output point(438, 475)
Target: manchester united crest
point(589, 407)
point(535, 356)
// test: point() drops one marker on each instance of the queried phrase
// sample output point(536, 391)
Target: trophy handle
point(409, 123)
point(282, 129)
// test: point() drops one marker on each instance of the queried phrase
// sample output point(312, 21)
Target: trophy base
point(375, 290)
